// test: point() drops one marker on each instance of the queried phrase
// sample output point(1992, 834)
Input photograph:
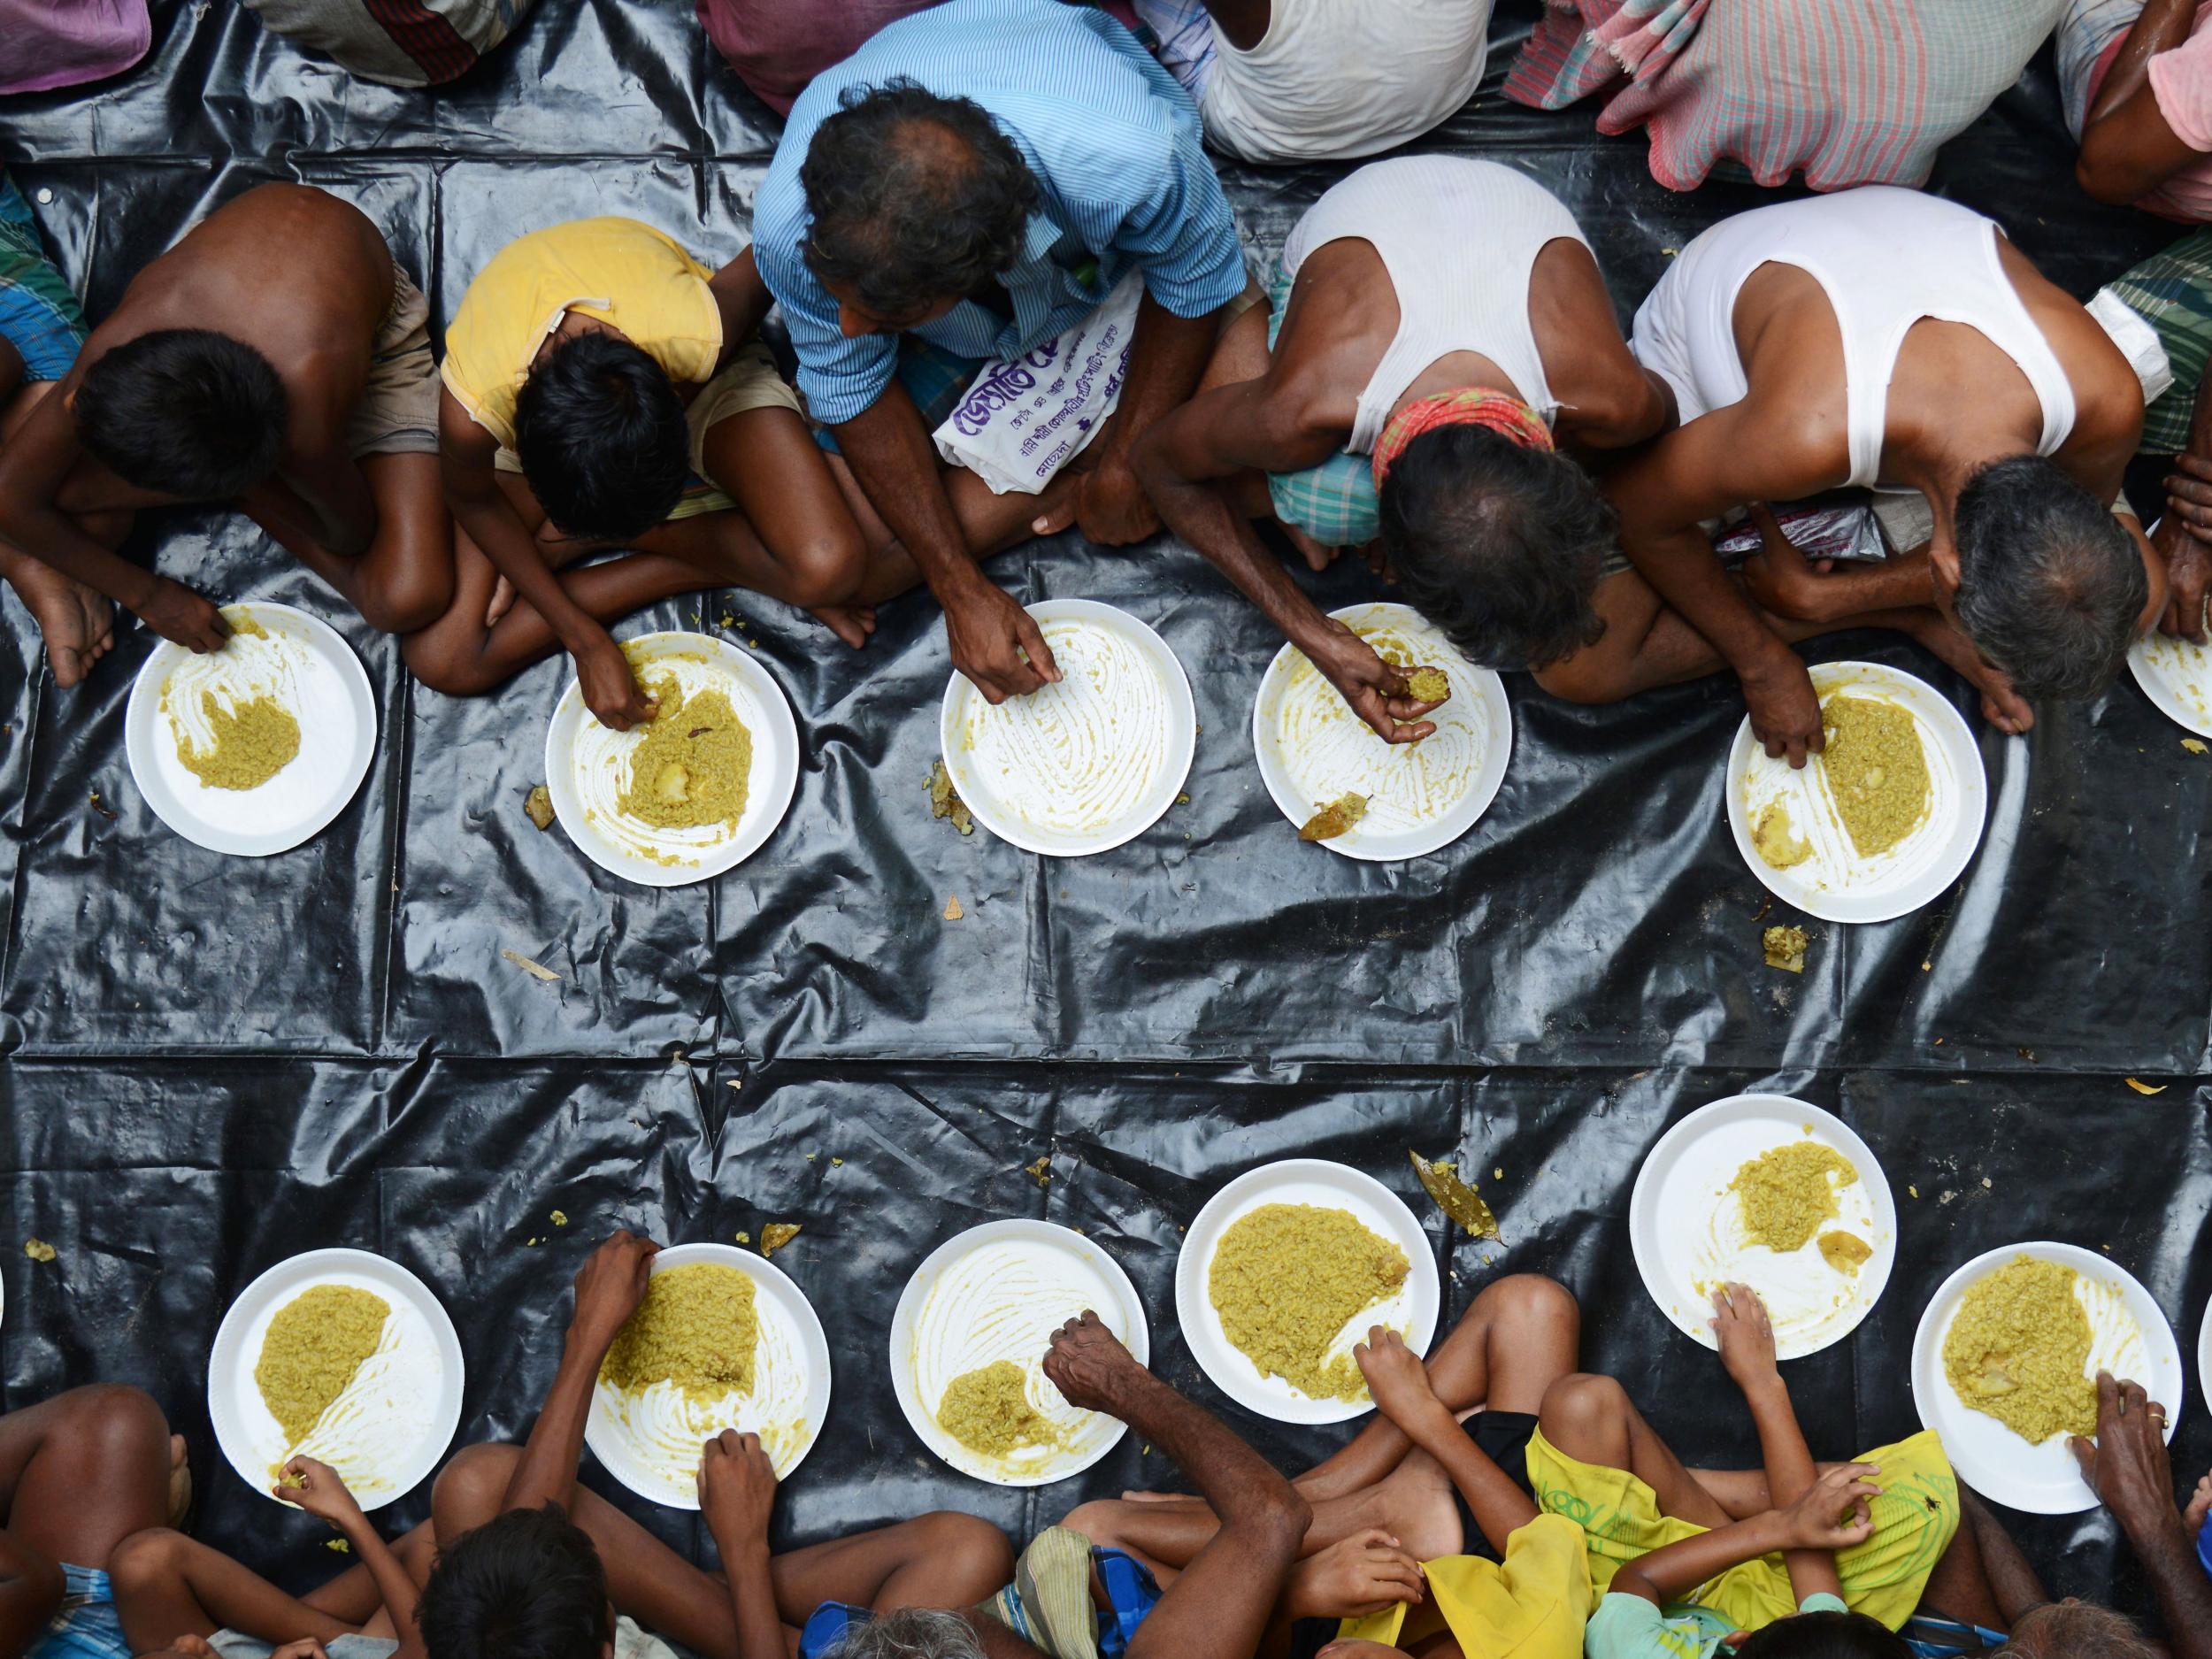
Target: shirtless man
point(1883, 338)
point(1445, 317)
point(278, 358)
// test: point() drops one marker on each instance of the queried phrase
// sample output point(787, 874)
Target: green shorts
point(2172, 291)
point(1334, 503)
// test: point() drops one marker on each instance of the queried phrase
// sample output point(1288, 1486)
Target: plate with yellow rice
point(1771, 1192)
point(692, 792)
point(1883, 820)
point(724, 1340)
point(1414, 798)
point(1286, 1270)
point(339, 1355)
point(968, 1342)
point(254, 749)
point(2176, 676)
point(2004, 1363)
point(1088, 764)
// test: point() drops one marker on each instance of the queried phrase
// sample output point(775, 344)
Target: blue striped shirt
point(1112, 142)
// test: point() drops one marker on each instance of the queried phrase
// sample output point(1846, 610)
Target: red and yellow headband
point(1470, 406)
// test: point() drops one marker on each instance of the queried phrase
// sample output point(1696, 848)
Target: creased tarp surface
point(213, 1063)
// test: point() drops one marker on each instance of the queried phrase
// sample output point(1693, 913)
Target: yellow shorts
point(1533, 1606)
point(1915, 1519)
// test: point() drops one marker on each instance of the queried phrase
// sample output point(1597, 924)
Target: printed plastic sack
point(1026, 418)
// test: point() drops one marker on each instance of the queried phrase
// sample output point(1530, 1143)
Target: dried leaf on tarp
point(2147, 1089)
point(1335, 818)
point(1786, 948)
point(539, 805)
point(1441, 1180)
point(945, 802)
point(535, 970)
point(776, 1234)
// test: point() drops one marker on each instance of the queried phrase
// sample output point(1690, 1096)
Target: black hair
point(2051, 586)
point(601, 437)
point(913, 198)
point(1499, 544)
point(185, 411)
point(525, 1584)
point(1826, 1635)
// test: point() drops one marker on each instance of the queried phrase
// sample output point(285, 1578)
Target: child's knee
point(408, 599)
point(1529, 1302)
point(145, 1563)
point(829, 570)
point(118, 1424)
point(471, 1487)
point(969, 1557)
point(438, 662)
point(1581, 1407)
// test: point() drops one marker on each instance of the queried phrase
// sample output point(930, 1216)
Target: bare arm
point(320, 1492)
point(1167, 356)
point(890, 454)
point(465, 462)
point(2013, 1583)
point(1830, 1515)
point(1747, 1348)
point(608, 1291)
point(2127, 147)
point(2185, 527)
point(1698, 471)
point(744, 300)
point(737, 1494)
point(1403, 1393)
point(1260, 424)
point(2128, 1469)
point(35, 464)
point(1218, 1608)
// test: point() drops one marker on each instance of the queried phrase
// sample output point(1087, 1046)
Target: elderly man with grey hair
point(1219, 1606)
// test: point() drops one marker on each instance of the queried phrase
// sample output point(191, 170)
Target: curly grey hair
point(911, 1633)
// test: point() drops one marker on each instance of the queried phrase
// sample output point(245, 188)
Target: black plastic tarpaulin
point(212, 1063)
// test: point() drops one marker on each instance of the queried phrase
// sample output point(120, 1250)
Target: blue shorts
point(38, 313)
point(87, 1627)
point(1130, 1590)
point(1931, 1637)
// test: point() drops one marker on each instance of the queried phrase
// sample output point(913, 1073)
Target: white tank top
point(1332, 80)
point(1885, 259)
point(1459, 239)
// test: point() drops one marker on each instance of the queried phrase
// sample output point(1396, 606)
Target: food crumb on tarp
point(535, 970)
point(1786, 948)
point(953, 913)
point(1441, 1180)
point(744, 1237)
point(560, 1218)
point(338, 1544)
point(538, 807)
point(1041, 1171)
point(38, 1250)
point(2195, 746)
point(945, 802)
point(102, 807)
point(2141, 1087)
point(776, 1234)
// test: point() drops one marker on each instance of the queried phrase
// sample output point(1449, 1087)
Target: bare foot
point(2199, 1506)
point(180, 1481)
point(1413, 1503)
point(852, 624)
point(2003, 707)
point(78, 621)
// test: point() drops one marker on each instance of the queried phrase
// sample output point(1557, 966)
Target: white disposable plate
point(385, 1433)
point(2129, 1337)
point(2204, 1358)
point(651, 1442)
point(1836, 884)
point(1328, 1186)
point(2176, 676)
point(588, 767)
point(1687, 1230)
point(305, 666)
point(998, 1291)
point(1086, 765)
point(1312, 748)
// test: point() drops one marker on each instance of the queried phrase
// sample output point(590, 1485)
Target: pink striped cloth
point(1846, 91)
point(45, 44)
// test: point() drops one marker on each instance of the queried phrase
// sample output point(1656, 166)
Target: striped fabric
point(1112, 141)
point(2089, 33)
point(2172, 291)
point(1334, 501)
point(1847, 91)
point(38, 313)
point(400, 42)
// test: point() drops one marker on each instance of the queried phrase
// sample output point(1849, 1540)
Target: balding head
point(2078, 1630)
point(911, 1633)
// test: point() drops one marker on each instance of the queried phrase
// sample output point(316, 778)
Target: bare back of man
point(1956, 399)
point(306, 281)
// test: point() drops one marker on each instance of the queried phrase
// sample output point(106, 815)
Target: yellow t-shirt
point(1534, 1605)
point(616, 270)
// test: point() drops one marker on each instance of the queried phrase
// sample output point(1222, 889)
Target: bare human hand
point(1375, 689)
point(610, 685)
point(2188, 574)
point(1353, 1576)
point(1782, 579)
point(1397, 1377)
point(609, 1288)
point(320, 1492)
point(1087, 1363)
point(1785, 709)
point(184, 617)
point(2126, 1464)
point(1746, 1335)
point(996, 643)
point(737, 1490)
point(1833, 1514)
point(1112, 509)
